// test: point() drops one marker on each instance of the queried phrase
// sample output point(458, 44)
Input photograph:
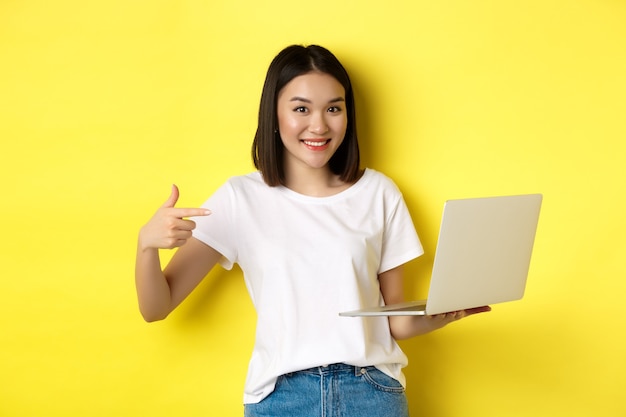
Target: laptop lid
point(482, 257)
point(483, 252)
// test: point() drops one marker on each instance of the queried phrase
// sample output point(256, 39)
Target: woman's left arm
point(404, 327)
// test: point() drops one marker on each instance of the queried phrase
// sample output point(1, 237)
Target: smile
point(315, 143)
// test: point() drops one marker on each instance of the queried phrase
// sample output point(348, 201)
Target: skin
point(312, 123)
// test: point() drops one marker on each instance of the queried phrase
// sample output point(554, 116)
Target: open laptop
point(482, 257)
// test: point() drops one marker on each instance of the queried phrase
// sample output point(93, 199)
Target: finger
point(449, 316)
point(173, 198)
point(180, 234)
point(440, 316)
point(180, 242)
point(174, 243)
point(190, 212)
point(477, 310)
point(453, 316)
point(182, 224)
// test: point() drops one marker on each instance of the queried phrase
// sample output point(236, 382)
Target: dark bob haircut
point(267, 148)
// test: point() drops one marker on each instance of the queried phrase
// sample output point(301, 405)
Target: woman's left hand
point(440, 320)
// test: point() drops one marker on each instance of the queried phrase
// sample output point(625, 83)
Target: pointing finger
point(191, 212)
point(183, 212)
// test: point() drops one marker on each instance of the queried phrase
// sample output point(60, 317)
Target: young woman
point(314, 235)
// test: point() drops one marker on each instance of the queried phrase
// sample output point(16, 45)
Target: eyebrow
point(306, 100)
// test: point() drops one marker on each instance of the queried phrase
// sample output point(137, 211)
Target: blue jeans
point(333, 391)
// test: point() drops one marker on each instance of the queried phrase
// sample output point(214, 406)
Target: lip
point(317, 144)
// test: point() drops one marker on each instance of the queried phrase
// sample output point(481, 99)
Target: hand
point(168, 228)
point(439, 320)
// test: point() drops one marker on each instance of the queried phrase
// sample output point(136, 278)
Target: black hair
point(267, 147)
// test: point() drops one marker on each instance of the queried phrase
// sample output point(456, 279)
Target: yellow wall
point(104, 104)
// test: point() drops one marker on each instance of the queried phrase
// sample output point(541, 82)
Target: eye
point(334, 109)
point(300, 109)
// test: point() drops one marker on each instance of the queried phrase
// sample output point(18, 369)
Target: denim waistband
point(334, 369)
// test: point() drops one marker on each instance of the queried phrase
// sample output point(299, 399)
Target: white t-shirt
point(305, 259)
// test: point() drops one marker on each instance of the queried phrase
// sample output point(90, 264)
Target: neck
point(314, 182)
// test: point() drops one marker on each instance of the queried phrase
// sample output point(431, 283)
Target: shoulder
point(238, 191)
point(378, 180)
point(250, 180)
point(250, 184)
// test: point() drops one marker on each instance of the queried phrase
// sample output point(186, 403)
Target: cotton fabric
point(305, 259)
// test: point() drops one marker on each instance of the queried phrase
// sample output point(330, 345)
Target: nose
point(318, 124)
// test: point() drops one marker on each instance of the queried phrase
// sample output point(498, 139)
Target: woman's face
point(312, 120)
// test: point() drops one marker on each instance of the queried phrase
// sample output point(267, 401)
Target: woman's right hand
point(168, 228)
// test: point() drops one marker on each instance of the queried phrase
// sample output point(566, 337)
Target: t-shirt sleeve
point(218, 230)
point(400, 241)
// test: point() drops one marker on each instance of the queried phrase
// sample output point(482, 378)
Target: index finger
point(190, 212)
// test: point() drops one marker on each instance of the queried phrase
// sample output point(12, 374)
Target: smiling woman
point(310, 225)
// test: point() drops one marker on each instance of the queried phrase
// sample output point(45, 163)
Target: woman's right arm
point(160, 291)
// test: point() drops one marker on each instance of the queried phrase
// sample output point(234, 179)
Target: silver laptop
point(482, 257)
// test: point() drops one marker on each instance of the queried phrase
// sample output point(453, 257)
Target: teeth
point(315, 143)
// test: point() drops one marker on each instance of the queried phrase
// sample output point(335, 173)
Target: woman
point(314, 235)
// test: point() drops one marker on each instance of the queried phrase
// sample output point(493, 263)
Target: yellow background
point(104, 104)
